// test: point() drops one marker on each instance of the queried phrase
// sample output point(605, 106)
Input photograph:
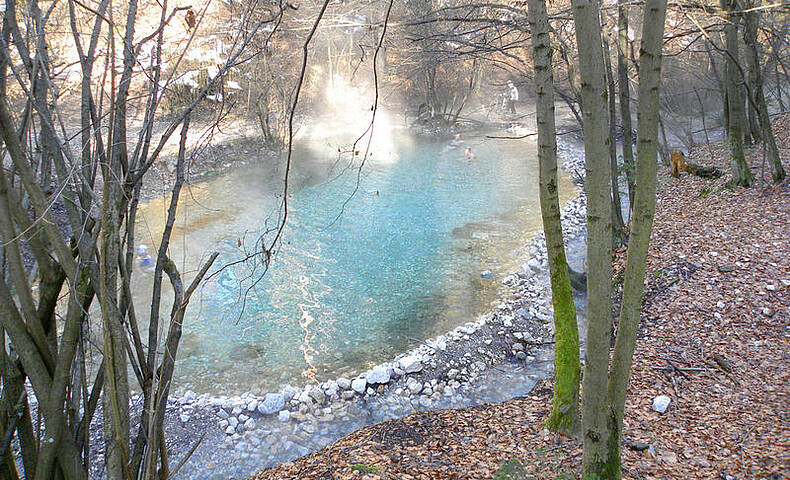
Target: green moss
point(361, 467)
point(512, 469)
point(564, 415)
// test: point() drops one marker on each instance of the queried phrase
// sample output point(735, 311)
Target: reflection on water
point(403, 261)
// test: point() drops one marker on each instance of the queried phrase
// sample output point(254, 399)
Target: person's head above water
point(457, 136)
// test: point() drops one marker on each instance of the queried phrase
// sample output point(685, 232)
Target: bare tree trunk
point(751, 25)
point(644, 208)
point(595, 428)
point(618, 224)
point(741, 175)
point(564, 415)
point(623, 86)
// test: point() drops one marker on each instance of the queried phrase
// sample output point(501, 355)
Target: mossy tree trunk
point(595, 429)
point(642, 225)
point(741, 175)
point(564, 415)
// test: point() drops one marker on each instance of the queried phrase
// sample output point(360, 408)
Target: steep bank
point(714, 338)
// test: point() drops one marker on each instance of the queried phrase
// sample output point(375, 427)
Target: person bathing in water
point(469, 154)
point(455, 143)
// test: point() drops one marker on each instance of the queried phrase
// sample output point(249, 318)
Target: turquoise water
point(358, 277)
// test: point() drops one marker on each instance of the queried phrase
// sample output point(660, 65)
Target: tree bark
point(741, 175)
point(618, 224)
point(623, 87)
point(642, 224)
point(595, 429)
point(564, 415)
point(751, 25)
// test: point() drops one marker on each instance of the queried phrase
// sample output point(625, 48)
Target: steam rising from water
point(346, 116)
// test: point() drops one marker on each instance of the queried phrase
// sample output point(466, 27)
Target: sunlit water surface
point(369, 262)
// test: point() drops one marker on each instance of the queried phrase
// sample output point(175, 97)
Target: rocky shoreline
point(266, 428)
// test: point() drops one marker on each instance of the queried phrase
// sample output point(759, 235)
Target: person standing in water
point(469, 154)
point(512, 96)
point(144, 260)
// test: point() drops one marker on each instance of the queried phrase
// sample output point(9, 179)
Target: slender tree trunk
point(564, 415)
point(751, 24)
point(618, 224)
point(644, 208)
point(595, 429)
point(623, 87)
point(741, 175)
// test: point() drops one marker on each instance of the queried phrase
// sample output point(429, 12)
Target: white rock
point(222, 413)
point(184, 418)
point(289, 392)
point(414, 386)
point(243, 418)
point(331, 387)
point(223, 424)
point(272, 403)
point(317, 394)
point(534, 264)
point(410, 364)
point(343, 383)
point(230, 430)
point(359, 385)
point(252, 406)
point(233, 421)
point(661, 403)
point(380, 374)
point(188, 397)
point(284, 415)
point(249, 424)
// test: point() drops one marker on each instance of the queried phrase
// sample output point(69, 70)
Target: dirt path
point(715, 338)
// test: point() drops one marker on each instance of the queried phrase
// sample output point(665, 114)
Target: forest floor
point(714, 337)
